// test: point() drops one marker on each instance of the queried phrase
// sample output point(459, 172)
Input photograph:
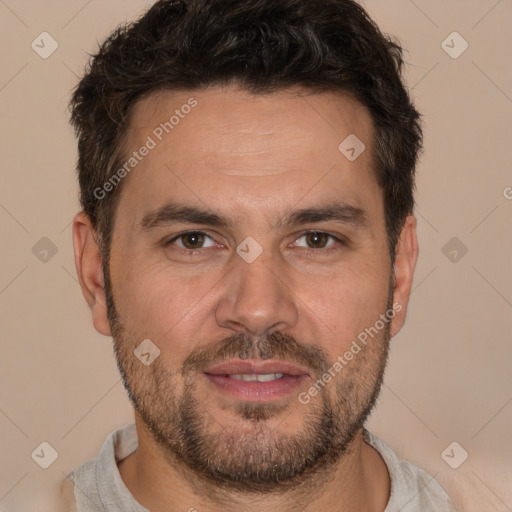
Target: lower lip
point(257, 391)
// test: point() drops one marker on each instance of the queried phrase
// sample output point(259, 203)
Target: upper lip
point(236, 367)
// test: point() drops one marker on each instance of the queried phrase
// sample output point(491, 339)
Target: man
point(248, 240)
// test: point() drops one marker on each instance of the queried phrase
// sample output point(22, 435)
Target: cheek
point(162, 305)
point(344, 305)
point(156, 300)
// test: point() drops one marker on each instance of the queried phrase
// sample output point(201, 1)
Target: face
point(246, 243)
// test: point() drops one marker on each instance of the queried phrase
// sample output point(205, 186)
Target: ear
point(406, 255)
point(90, 271)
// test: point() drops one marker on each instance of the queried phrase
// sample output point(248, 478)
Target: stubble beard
point(248, 455)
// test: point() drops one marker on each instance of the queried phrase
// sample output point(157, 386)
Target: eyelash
point(309, 252)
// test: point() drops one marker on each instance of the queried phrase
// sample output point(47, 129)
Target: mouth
point(256, 381)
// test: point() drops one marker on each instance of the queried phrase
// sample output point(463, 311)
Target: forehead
point(227, 148)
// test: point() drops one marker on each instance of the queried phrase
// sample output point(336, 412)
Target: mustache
point(273, 345)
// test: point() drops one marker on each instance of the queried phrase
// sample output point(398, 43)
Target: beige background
point(449, 378)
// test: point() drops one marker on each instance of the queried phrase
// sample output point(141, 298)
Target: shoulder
point(87, 486)
point(67, 502)
point(412, 489)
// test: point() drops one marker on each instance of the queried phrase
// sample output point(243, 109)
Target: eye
point(319, 241)
point(191, 240)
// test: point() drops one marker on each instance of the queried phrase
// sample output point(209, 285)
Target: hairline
point(120, 155)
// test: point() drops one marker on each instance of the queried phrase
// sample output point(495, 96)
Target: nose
point(257, 297)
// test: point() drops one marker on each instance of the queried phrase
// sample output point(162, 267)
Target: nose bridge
point(256, 298)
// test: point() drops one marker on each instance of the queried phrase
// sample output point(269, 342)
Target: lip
point(293, 377)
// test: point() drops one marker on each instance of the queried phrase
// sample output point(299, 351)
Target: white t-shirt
point(98, 486)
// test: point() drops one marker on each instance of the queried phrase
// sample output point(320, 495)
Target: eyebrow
point(173, 213)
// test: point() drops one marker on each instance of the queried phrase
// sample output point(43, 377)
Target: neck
point(358, 481)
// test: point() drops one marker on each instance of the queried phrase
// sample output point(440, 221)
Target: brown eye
point(191, 240)
point(317, 240)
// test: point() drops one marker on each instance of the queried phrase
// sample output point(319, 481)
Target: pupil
point(196, 239)
point(315, 238)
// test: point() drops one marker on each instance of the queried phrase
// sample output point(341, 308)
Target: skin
point(253, 159)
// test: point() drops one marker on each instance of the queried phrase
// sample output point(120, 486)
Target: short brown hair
point(263, 46)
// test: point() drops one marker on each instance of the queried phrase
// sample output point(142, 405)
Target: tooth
point(269, 376)
point(253, 377)
point(247, 377)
